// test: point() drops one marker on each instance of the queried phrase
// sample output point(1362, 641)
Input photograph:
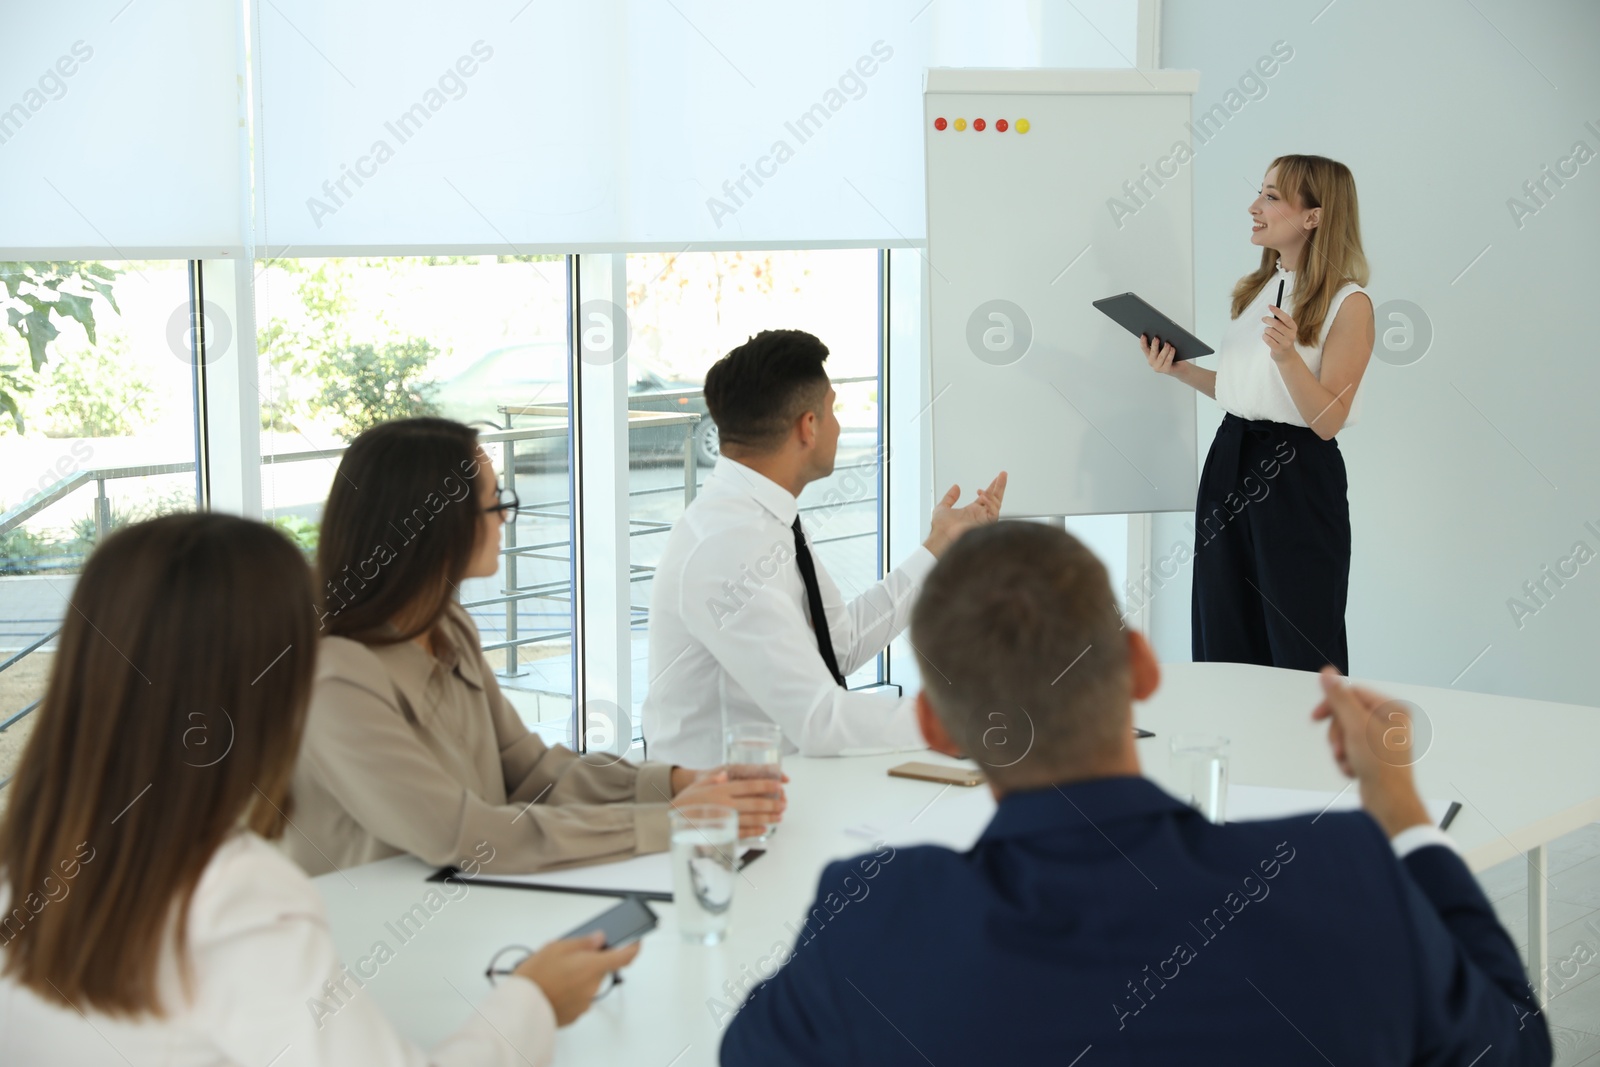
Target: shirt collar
point(412, 667)
point(1079, 805)
point(735, 477)
point(451, 649)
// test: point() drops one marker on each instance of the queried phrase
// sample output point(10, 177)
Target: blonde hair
point(1332, 257)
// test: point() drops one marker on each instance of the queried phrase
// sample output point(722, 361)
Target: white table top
point(1522, 768)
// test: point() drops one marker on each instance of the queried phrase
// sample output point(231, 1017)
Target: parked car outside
point(535, 373)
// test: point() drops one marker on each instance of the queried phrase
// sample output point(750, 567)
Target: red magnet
point(939, 123)
point(1000, 125)
point(977, 124)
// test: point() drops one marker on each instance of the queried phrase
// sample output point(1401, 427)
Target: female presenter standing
point(1272, 523)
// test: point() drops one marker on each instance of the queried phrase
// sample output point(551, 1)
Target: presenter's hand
point(759, 801)
point(950, 522)
point(569, 972)
point(1159, 356)
point(1279, 333)
point(1372, 742)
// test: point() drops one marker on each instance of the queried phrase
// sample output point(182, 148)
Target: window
point(109, 429)
point(348, 343)
point(687, 310)
point(488, 338)
point(98, 434)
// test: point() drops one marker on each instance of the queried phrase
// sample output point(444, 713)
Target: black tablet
point(1137, 317)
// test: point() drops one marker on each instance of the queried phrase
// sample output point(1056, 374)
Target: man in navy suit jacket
point(1100, 921)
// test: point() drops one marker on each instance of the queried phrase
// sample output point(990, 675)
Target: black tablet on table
point(1130, 311)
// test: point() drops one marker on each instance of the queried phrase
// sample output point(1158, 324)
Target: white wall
point(1473, 467)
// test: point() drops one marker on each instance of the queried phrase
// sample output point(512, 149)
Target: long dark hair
point(173, 715)
point(399, 529)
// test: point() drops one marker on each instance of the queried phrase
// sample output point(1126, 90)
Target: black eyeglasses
point(509, 502)
point(504, 963)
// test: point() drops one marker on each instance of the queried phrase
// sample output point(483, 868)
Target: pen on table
point(1450, 815)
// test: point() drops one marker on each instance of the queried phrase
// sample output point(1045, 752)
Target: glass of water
point(1200, 773)
point(754, 750)
point(705, 845)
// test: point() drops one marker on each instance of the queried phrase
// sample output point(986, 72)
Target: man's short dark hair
point(757, 391)
point(1023, 653)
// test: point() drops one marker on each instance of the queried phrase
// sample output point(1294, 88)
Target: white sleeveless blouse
point(1249, 384)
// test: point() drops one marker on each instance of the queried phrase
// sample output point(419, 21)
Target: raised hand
point(1372, 742)
point(1279, 333)
point(950, 522)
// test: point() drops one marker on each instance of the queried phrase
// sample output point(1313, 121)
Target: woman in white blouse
point(1272, 520)
point(144, 916)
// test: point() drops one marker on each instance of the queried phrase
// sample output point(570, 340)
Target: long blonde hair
point(1332, 257)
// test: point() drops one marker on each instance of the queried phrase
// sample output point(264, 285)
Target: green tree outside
point(38, 296)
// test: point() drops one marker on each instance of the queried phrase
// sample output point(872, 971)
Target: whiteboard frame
point(1003, 81)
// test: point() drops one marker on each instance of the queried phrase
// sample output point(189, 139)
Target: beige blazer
point(410, 752)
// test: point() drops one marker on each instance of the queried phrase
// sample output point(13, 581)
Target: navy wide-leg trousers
point(1272, 548)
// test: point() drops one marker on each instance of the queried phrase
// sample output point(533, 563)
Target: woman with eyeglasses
point(144, 916)
point(410, 744)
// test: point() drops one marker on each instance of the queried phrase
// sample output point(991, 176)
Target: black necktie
point(819, 619)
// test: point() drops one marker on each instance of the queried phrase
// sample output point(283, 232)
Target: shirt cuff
point(1409, 840)
point(907, 732)
point(918, 564)
point(653, 784)
point(651, 829)
point(902, 734)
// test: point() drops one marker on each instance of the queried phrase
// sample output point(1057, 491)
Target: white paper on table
point(929, 814)
point(1269, 802)
point(640, 874)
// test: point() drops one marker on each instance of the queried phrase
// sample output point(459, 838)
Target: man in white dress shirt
point(738, 589)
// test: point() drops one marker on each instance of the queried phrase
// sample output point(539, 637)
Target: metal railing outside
point(559, 426)
point(512, 592)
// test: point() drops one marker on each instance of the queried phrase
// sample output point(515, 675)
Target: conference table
point(1522, 771)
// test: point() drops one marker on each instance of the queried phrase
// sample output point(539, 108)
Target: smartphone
point(622, 925)
point(937, 772)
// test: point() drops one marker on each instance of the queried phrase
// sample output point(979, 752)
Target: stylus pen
point(1279, 303)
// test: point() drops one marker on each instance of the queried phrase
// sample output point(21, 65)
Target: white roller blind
point(621, 124)
point(120, 129)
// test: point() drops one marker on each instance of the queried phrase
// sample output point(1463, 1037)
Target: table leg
point(691, 460)
point(1538, 922)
